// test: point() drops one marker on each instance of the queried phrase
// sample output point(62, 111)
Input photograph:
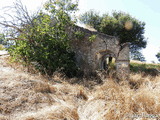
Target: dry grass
point(24, 96)
point(118, 101)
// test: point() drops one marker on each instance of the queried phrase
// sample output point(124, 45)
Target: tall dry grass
point(25, 96)
point(125, 100)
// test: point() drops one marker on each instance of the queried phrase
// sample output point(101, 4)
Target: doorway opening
point(107, 62)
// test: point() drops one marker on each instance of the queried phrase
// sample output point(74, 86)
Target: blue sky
point(144, 10)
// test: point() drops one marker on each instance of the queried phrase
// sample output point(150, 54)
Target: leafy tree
point(158, 56)
point(119, 24)
point(41, 39)
point(2, 39)
point(137, 55)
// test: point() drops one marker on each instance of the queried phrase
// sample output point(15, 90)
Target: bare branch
point(11, 26)
point(16, 39)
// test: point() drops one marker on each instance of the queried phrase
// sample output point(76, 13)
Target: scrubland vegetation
point(26, 96)
point(39, 92)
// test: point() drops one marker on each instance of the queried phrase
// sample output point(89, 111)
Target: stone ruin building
point(94, 50)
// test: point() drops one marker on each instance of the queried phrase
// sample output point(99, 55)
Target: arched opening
point(107, 62)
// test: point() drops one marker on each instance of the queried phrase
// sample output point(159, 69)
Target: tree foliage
point(41, 39)
point(3, 39)
point(119, 24)
point(137, 55)
point(158, 56)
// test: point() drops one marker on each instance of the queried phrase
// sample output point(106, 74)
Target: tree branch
point(12, 26)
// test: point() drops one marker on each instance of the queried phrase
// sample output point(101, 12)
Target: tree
point(137, 55)
point(158, 56)
point(2, 39)
point(41, 39)
point(119, 24)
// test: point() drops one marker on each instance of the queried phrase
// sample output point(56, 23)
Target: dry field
point(25, 96)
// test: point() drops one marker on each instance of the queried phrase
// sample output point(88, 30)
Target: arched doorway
point(107, 61)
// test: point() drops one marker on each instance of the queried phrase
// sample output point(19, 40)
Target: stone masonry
point(91, 52)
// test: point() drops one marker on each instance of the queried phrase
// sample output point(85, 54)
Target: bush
point(45, 44)
point(146, 69)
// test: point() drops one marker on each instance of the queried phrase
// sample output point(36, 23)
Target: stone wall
point(122, 62)
point(90, 53)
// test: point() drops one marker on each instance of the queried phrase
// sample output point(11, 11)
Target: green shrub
point(45, 44)
point(147, 69)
